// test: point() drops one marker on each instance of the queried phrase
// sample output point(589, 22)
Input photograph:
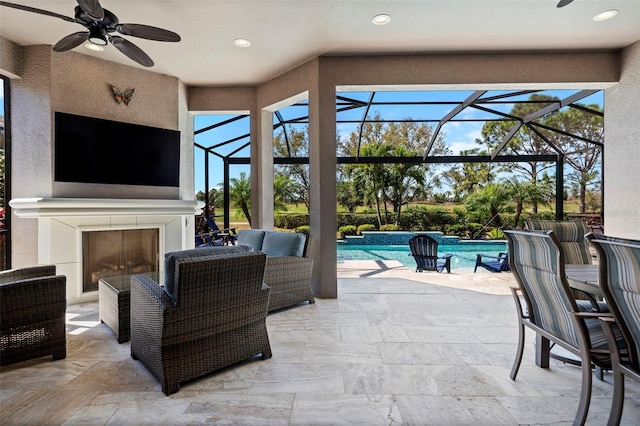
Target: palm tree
point(240, 193)
point(403, 181)
point(489, 201)
point(526, 192)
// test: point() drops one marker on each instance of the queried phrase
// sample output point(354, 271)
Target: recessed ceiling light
point(94, 47)
point(242, 42)
point(381, 19)
point(607, 14)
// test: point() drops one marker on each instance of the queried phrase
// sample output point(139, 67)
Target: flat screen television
point(94, 150)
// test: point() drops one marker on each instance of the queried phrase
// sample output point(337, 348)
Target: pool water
point(464, 254)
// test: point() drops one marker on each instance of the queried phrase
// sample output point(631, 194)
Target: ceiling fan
point(563, 3)
point(100, 24)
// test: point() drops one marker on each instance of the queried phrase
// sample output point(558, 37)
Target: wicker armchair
point(288, 269)
point(211, 316)
point(32, 314)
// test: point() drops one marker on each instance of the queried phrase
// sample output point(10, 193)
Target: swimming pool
point(464, 254)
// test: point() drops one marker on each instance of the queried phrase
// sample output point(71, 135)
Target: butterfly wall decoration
point(122, 96)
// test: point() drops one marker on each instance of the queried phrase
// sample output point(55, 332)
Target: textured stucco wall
point(10, 58)
point(81, 86)
point(78, 84)
point(622, 149)
point(31, 146)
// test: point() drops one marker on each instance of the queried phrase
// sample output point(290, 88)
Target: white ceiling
point(287, 33)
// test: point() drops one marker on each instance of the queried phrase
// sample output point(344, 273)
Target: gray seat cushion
point(279, 244)
point(252, 237)
point(171, 258)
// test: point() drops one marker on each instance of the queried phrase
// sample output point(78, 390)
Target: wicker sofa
point(210, 314)
point(32, 314)
point(288, 270)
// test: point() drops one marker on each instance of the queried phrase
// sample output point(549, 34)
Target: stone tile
point(389, 379)
point(297, 378)
point(447, 410)
point(419, 353)
point(267, 409)
point(335, 410)
point(396, 348)
point(373, 334)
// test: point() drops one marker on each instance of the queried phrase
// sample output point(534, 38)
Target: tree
point(295, 145)
point(283, 192)
point(397, 184)
point(348, 195)
point(466, 178)
point(403, 181)
point(240, 193)
point(524, 192)
point(370, 177)
point(215, 197)
point(585, 158)
point(489, 201)
point(524, 142)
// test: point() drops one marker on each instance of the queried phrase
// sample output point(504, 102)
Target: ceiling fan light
point(242, 42)
point(381, 19)
point(96, 36)
point(94, 47)
point(607, 14)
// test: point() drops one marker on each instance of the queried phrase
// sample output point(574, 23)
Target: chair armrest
point(597, 315)
point(287, 268)
point(500, 256)
point(445, 256)
point(29, 272)
point(149, 292)
point(38, 299)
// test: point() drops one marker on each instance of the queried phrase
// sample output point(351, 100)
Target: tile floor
point(395, 348)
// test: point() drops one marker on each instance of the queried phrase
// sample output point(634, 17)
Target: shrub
point(304, 229)
point(347, 230)
point(390, 227)
point(290, 220)
point(366, 227)
point(496, 234)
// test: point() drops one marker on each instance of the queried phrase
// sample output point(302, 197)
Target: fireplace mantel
point(61, 222)
point(61, 207)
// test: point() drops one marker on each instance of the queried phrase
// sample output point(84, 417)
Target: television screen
point(93, 150)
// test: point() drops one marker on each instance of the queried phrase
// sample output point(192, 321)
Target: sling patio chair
point(571, 234)
point(552, 311)
point(619, 279)
point(424, 250)
point(499, 263)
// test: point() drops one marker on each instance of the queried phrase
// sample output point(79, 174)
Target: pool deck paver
point(483, 281)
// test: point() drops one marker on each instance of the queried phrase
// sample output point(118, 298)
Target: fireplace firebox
point(118, 252)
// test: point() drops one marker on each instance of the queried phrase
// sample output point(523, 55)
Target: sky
point(459, 136)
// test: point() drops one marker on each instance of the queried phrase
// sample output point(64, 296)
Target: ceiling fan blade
point(563, 3)
point(131, 51)
point(92, 8)
point(36, 10)
point(148, 32)
point(71, 41)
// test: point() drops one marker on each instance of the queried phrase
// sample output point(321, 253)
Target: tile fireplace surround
point(61, 222)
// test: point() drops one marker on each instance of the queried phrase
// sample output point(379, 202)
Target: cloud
point(458, 146)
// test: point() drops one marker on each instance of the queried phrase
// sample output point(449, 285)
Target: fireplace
point(120, 252)
point(64, 222)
